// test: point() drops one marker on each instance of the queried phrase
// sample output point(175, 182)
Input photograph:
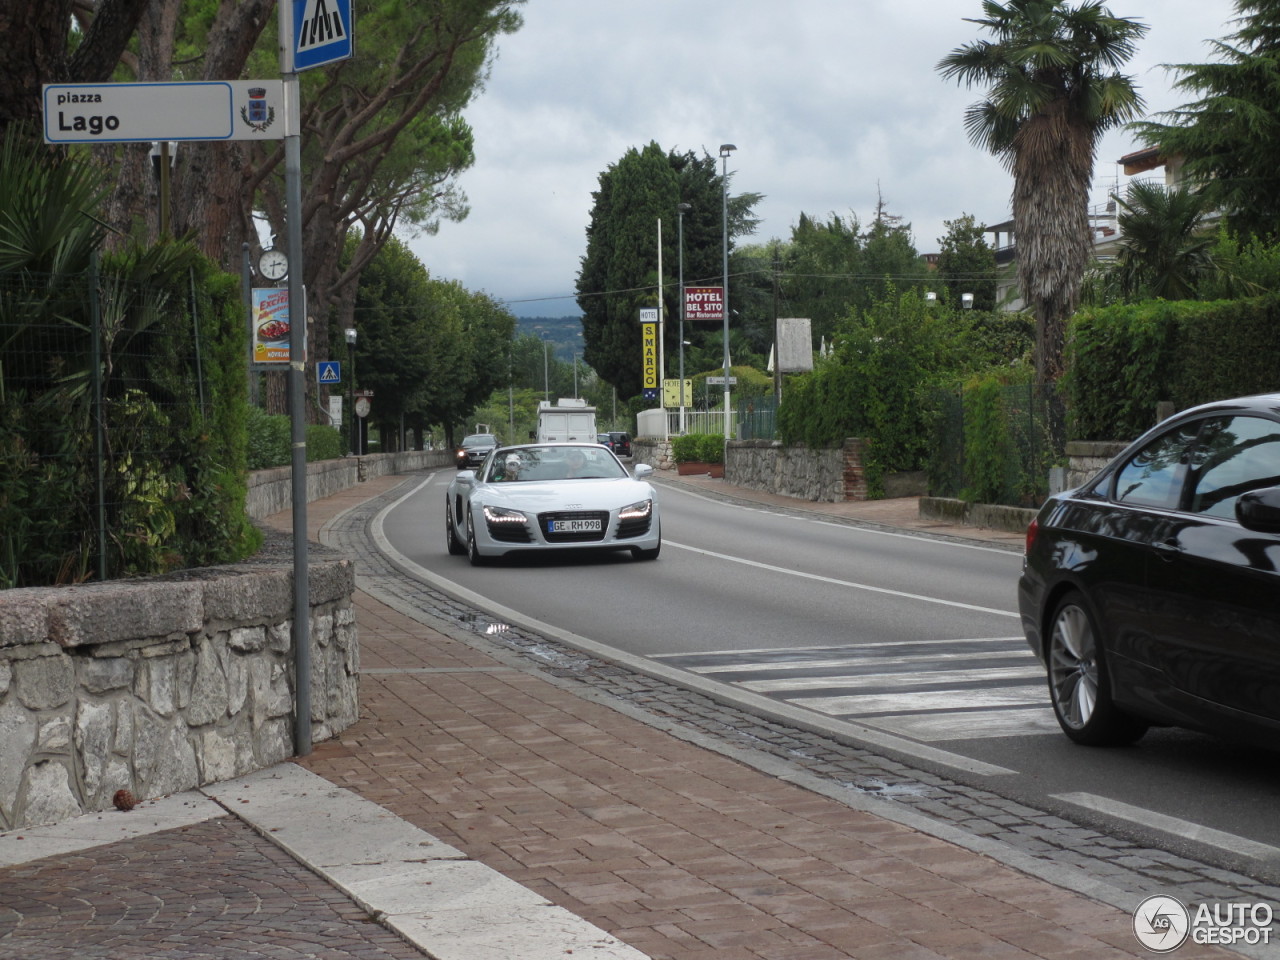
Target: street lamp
point(546, 381)
point(681, 210)
point(725, 150)
point(351, 390)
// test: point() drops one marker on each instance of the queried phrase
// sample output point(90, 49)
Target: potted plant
point(698, 453)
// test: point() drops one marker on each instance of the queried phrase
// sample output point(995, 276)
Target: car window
point(1153, 476)
point(1234, 455)
point(525, 464)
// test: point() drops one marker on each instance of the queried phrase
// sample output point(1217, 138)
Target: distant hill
point(563, 333)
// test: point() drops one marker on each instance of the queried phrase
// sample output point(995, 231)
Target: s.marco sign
point(145, 112)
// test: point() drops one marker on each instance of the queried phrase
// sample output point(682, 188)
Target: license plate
point(574, 526)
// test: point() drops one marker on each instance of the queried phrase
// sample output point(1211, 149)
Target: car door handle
point(1167, 549)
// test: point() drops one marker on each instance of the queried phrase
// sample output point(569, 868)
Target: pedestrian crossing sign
point(329, 371)
point(321, 32)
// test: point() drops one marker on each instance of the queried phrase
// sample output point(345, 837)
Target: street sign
point(145, 112)
point(648, 314)
point(719, 381)
point(321, 32)
point(329, 371)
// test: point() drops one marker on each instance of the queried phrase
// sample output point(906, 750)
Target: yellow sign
point(671, 393)
point(649, 356)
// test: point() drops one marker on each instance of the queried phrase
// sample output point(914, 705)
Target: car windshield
point(480, 440)
point(528, 464)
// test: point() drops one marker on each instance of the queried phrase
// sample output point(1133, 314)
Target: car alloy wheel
point(451, 537)
point(473, 551)
point(1078, 682)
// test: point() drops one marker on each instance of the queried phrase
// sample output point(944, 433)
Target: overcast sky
point(829, 102)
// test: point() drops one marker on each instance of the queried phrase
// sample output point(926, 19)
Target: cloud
point(831, 103)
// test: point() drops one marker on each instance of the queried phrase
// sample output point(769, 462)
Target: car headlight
point(502, 515)
point(636, 511)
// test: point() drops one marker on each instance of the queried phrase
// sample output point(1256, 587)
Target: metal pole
point(725, 150)
point(546, 382)
point(297, 389)
point(681, 209)
point(662, 352)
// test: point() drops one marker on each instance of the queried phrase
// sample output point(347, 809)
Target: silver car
point(552, 496)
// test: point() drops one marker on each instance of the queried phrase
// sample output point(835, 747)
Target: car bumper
point(530, 538)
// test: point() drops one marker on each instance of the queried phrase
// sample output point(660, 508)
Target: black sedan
point(1152, 592)
point(473, 449)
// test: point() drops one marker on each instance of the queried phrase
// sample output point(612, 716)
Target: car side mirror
point(466, 476)
point(1260, 510)
point(643, 470)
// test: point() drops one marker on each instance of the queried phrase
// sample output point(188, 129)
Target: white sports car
point(551, 496)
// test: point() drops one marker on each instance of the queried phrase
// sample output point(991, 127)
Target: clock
point(273, 264)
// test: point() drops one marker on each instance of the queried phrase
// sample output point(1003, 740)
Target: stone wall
point(1085, 458)
point(161, 685)
point(271, 491)
point(828, 475)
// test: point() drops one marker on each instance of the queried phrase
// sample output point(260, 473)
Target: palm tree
point(1166, 242)
point(1054, 91)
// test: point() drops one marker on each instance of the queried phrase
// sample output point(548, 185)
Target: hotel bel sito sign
point(145, 112)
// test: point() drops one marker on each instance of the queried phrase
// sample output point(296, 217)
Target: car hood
point(566, 494)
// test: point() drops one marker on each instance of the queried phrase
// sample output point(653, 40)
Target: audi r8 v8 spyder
point(540, 498)
point(1151, 593)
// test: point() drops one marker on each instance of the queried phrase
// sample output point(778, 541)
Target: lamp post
point(681, 210)
point(725, 150)
point(546, 380)
point(351, 390)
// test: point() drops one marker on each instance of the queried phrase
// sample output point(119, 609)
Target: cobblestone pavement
point(212, 890)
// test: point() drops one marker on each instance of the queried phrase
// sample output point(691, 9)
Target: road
point(906, 643)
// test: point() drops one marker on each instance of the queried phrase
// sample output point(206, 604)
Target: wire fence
point(102, 413)
point(1009, 462)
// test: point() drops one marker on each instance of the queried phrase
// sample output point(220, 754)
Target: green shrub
point(711, 448)
point(269, 439)
point(990, 460)
point(686, 448)
point(324, 442)
point(1122, 360)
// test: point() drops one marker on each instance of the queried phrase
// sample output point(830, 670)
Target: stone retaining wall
point(161, 685)
point(271, 491)
point(164, 684)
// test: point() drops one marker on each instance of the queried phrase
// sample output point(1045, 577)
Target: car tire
point(473, 550)
point(1079, 680)
point(451, 540)
point(639, 554)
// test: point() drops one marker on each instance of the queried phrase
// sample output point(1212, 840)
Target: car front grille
point(510, 532)
point(545, 519)
point(635, 527)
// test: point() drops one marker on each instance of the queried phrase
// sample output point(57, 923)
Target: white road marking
point(840, 583)
point(897, 679)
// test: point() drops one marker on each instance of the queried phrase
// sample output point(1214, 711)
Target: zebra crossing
point(928, 690)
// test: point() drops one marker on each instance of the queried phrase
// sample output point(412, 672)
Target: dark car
point(473, 449)
point(621, 443)
point(1152, 592)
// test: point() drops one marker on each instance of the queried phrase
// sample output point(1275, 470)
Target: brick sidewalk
point(678, 851)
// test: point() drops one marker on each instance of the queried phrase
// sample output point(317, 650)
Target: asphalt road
point(908, 643)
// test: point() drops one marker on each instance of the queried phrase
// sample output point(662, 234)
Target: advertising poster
point(271, 325)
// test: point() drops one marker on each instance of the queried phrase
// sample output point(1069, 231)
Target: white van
point(566, 420)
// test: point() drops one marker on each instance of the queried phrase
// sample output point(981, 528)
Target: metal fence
point(1033, 440)
point(100, 386)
